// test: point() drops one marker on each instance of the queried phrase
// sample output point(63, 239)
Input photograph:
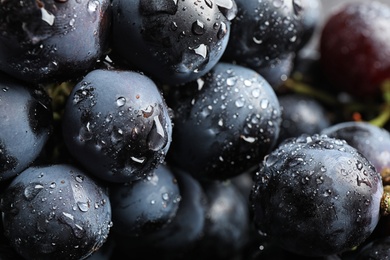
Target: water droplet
point(248, 139)
point(256, 92)
point(240, 102)
point(320, 180)
point(32, 190)
point(222, 31)
point(227, 7)
point(198, 28)
point(264, 103)
point(209, 3)
point(93, 6)
point(47, 16)
point(157, 137)
point(361, 181)
point(148, 111)
point(231, 81)
point(201, 50)
point(69, 220)
point(327, 193)
point(174, 26)
point(278, 3)
point(293, 39)
point(72, 21)
point(359, 165)
point(85, 133)
point(79, 178)
point(159, 127)
point(53, 185)
point(138, 160)
point(121, 101)
point(257, 39)
point(297, 5)
point(83, 206)
point(165, 196)
point(220, 122)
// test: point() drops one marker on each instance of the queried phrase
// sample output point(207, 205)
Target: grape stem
point(384, 115)
point(59, 93)
point(385, 201)
point(302, 88)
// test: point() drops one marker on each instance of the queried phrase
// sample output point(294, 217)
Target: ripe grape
point(117, 125)
point(316, 196)
point(354, 47)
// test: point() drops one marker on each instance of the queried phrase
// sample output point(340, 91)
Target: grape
point(173, 42)
point(227, 223)
point(370, 140)
point(26, 121)
point(264, 31)
point(55, 212)
point(116, 124)
point(353, 46)
point(181, 235)
point(225, 127)
point(316, 196)
point(147, 205)
point(301, 115)
point(52, 40)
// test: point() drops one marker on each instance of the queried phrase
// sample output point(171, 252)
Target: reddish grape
point(355, 46)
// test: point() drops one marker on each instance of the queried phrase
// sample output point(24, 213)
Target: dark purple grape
point(144, 206)
point(55, 212)
point(25, 125)
point(227, 223)
point(52, 40)
point(173, 42)
point(264, 31)
point(116, 124)
point(370, 140)
point(180, 236)
point(316, 196)
point(301, 115)
point(227, 125)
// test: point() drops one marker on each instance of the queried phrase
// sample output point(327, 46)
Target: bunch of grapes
point(203, 129)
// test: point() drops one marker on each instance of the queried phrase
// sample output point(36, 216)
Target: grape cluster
point(203, 129)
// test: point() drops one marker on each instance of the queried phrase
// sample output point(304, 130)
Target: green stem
point(384, 115)
point(385, 201)
point(302, 88)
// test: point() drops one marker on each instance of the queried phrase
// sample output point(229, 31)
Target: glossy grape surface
point(316, 196)
point(55, 212)
point(173, 42)
point(117, 125)
point(26, 117)
point(52, 40)
point(227, 125)
point(354, 45)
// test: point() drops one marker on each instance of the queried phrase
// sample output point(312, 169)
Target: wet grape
point(316, 196)
point(55, 212)
point(117, 125)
